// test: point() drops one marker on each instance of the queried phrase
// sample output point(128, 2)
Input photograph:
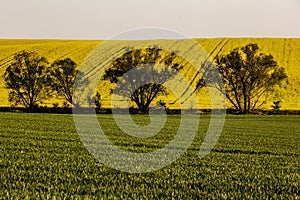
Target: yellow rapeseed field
point(286, 52)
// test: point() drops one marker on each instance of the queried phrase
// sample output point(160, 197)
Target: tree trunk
point(31, 107)
point(144, 109)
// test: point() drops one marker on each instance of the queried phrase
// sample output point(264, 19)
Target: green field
point(257, 157)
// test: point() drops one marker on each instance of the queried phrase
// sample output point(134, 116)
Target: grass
point(257, 157)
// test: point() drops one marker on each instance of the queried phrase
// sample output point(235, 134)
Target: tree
point(97, 102)
point(62, 77)
point(26, 79)
point(151, 66)
point(276, 106)
point(249, 76)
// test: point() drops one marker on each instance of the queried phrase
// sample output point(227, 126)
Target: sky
point(103, 19)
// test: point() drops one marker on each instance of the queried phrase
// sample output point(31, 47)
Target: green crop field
point(256, 157)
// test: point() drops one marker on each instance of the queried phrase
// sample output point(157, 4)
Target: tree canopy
point(62, 77)
point(26, 78)
point(151, 68)
point(249, 76)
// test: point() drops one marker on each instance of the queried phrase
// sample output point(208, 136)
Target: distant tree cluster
point(31, 80)
point(248, 75)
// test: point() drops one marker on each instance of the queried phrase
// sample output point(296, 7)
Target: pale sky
point(101, 19)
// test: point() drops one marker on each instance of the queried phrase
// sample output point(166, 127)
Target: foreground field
point(41, 156)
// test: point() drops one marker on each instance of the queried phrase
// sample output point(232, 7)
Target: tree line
point(31, 80)
point(249, 76)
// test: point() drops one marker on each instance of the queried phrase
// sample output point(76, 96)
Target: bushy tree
point(249, 76)
point(151, 65)
point(62, 78)
point(26, 79)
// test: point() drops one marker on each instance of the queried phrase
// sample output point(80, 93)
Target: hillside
point(285, 51)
